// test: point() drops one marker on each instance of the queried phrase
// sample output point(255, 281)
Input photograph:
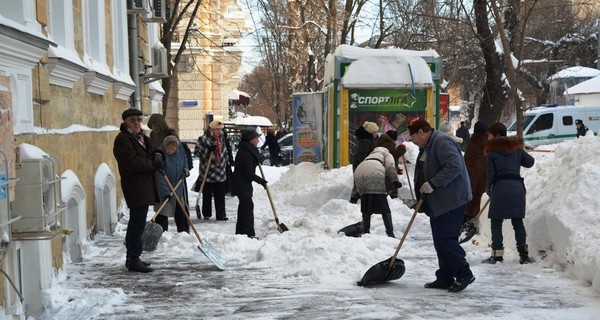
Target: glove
point(159, 162)
point(264, 183)
point(354, 199)
point(393, 195)
point(399, 171)
point(426, 188)
point(397, 184)
point(212, 148)
point(186, 172)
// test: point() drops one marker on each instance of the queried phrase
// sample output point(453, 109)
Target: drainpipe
point(133, 59)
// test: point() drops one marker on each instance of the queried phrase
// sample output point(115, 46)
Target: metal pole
point(133, 59)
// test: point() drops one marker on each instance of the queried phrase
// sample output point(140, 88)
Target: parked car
point(285, 155)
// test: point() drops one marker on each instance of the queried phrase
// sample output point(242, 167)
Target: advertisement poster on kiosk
point(308, 127)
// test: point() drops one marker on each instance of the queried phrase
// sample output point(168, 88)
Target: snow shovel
point(198, 211)
point(153, 231)
point(391, 268)
point(354, 230)
point(469, 228)
point(280, 226)
point(204, 246)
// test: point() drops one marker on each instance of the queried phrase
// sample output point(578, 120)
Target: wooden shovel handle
point(485, 204)
point(166, 200)
point(412, 194)
point(268, 194)
point(412, 219)
point(183, 208)
point(205, 172)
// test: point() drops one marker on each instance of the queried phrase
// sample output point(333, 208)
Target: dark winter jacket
point(505, 157)
point(174, 170)
point(463, 133)
point(218, 164)
point(246, 161)
point(160, 130)
point(476, 162)
point(271, 142)
point(581, 131)
point(442, 165)
point(136, 168)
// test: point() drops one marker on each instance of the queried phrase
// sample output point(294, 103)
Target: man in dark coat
point(442, 182)
point(505, 157)
point(133, 152)
point(581, 128)
point(274, 149)
point(475, 161)
point(463, 133)
point(246, 160)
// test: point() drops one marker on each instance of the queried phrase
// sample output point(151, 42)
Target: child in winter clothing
point(505, 157)
point(369, 179)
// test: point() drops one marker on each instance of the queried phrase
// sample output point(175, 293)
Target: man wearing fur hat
point(216, 181)
point(442, 182)
point(137, 164)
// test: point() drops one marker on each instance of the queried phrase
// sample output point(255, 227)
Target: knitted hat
point(392, 134)
point(445, 128)
point(131, 112)
point(578, 121)
point(414, 126)
point(216, 124)
point(170, 139)
point(370, 127)
point(248, 135)
point(497, 129)
point(480, 127)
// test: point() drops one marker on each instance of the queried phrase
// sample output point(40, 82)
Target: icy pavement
point(310, 271)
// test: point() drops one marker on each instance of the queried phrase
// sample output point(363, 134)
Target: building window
point(22, 12)
point(60, 22)
point(124, 85)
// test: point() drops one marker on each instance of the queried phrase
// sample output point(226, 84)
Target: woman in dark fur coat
point(505, 157)
point(475, 161)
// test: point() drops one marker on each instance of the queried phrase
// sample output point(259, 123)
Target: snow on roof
point(575, 72)
point(388, 72)
point(235, 94)
point(251, 121)
point(589, 86)
point(355, 53)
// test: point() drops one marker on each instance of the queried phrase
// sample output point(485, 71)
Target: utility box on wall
point(36, 196)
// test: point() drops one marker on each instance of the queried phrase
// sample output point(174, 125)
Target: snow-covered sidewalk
point(310, 271)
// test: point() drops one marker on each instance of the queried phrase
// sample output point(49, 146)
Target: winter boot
point(366, 222)
point(524, 254)
point(497, 256)
point(135, 264)
point(387, 222)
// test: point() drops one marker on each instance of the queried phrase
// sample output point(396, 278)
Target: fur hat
point(497, 129)
point(170, 139)
point(370, 127)
point(480, 127)
point(216, 124)
point(361, 133)
point(248, 135)
point(414, 126)
point(392, 134)
point(131, 112)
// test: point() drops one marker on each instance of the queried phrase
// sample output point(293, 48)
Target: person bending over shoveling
point(369, 179)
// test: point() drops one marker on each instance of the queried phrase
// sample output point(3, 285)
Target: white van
point(553, 124)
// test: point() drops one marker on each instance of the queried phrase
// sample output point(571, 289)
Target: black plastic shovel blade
point(282, 228)
point(382, 272)
point(467, 231)
point(354, 230)
point(212, 255)
point(151, 236)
